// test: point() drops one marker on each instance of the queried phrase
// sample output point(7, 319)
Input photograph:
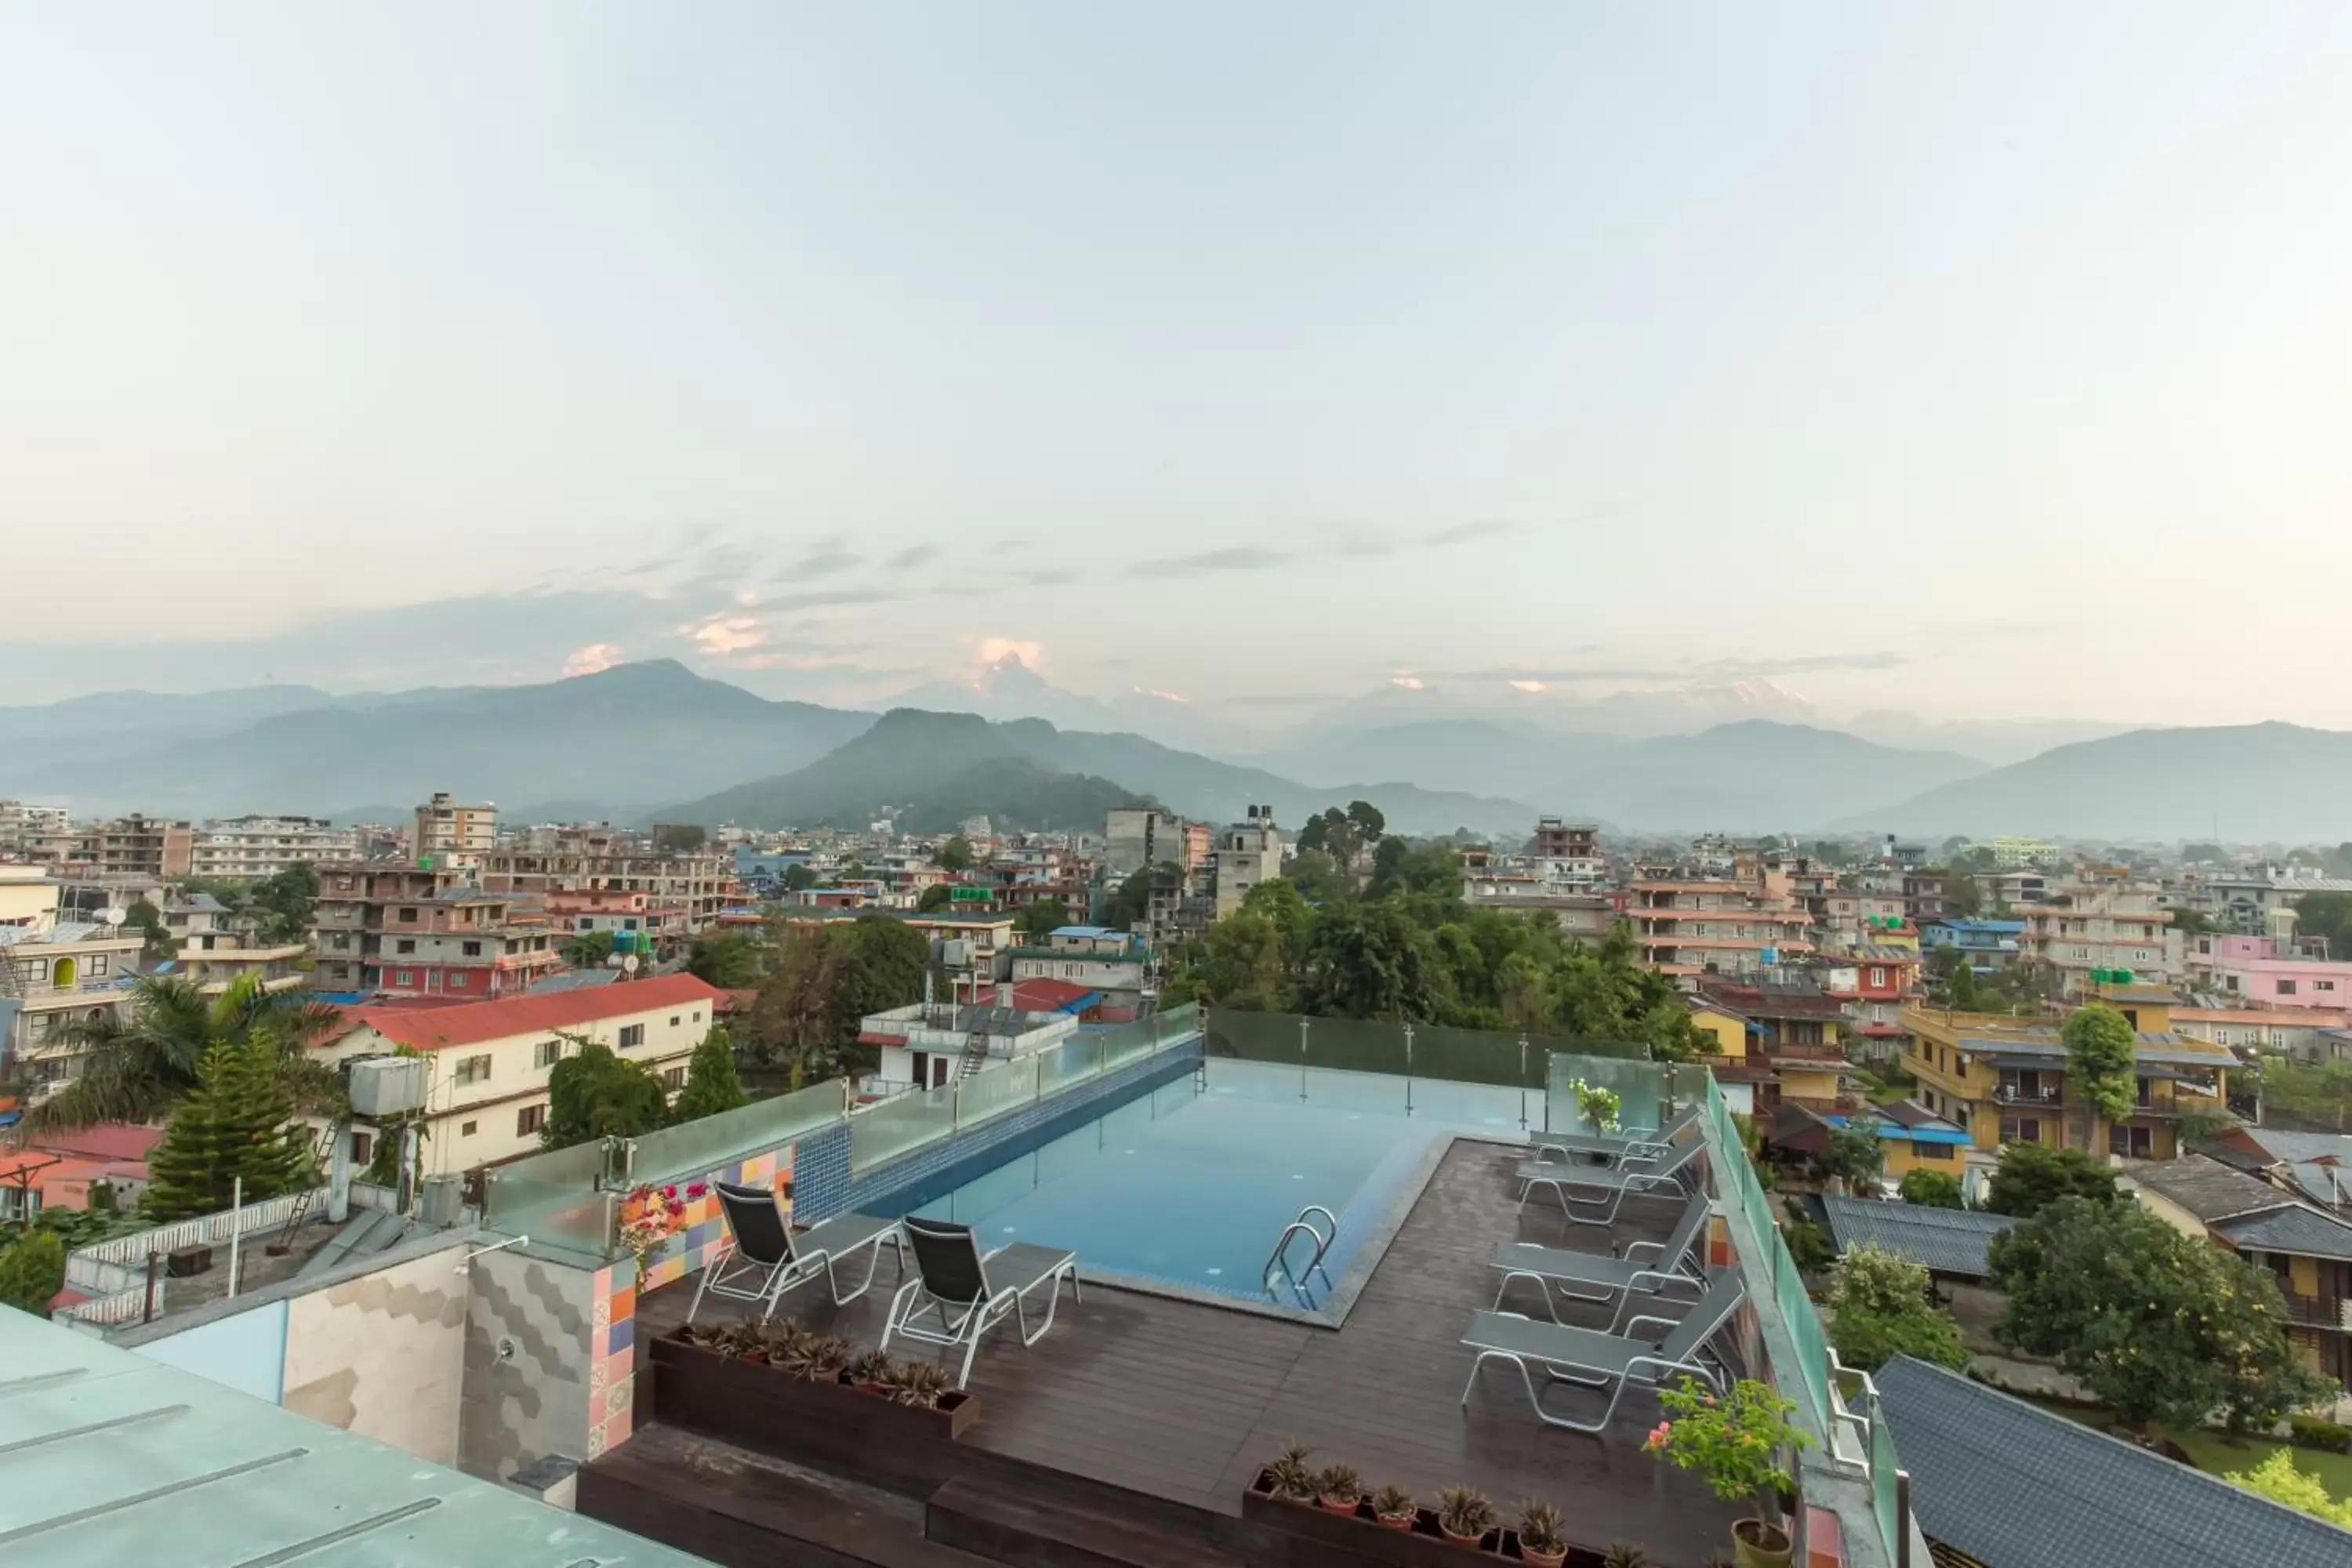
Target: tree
point(1368, 960)
point(798, 876)
point(148, 921)
point(2100, 1045)
point(2031, 1177)
point(2157, 1326)
point(793, 1019)
point(882, 967)
point(236, 1124)
point(1431, 868)
point(1238, 963)
point(1366, 820)
point(1930, 1189)
point(726, 959)
point(2327, 915)
point(1960, 990)
point(679, 837)
point(1042, 918)
point(593, 1093)
point(1855, 1155)
point(1962, 897)
point(1131, 901)
point(935, 898)
point(32, 1271)
point(1882, 1307)
point(711, 1084)
point(136, 1066)
point(955, 854)
point(587, 949)
point(2277, 1478)
point(1318, 878)
point(2189, 922)
point(282, 903)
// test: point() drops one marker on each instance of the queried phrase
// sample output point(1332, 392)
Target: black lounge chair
point(761, 1258)
point(1610, 1360)
point(1678, 1265)
point(970, 1291)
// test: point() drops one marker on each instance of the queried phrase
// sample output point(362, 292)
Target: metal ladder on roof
point(975, 1056)
point(1276, 1273)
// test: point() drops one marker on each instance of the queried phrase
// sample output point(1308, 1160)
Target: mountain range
point(655, 739)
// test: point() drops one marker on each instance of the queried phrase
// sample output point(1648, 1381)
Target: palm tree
point(139, 1062)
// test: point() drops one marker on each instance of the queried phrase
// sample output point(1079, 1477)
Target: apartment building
point(401, 931)
point(2268, 971)
point(1115, 963)
point(28, 897)
point(53, 973)
point(2004, 1079)
point(2011, 854)
point(1986, 944)
point(698, 884)
point(2296, 1032)
point(1568, 854)
point(1134, 837)
point(489, 1097)
point(1783, 1042)
point(22, 820)
point(128, 846)
point(1691, 926)
point(2084, 926)
point(258, 846)
point(452, 835)
point(213, 955)
point(2246, 901)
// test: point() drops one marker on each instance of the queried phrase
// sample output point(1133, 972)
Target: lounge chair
point(1596, 1360)
point(1617, 1280)
point(1615, 1148)
point(761, 1258)
point(971, 1291)
point(1610, 1182)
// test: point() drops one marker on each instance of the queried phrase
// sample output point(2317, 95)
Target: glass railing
point(698, 1147)
point(555, 1199)
point(985, 1096)
point(1401, 1051)
point(1885, 1486)
point(902, 1123)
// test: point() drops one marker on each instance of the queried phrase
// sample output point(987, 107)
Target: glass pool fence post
point(1302, 1058)
point(1408, 1069)
point(1523, 1080)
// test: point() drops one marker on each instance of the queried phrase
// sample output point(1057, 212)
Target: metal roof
point(2294, 1228)
point(2015, 1486)
point(1945, 1241)
point(2211, 1190)
point(107, 1457)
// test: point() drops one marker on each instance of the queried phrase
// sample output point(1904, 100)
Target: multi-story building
point(1137, 837)
point(452, 835)
point(489, 1097)
point(2087, 926)
point(1786, 1040)
point(1691, 926)
point(1248, 852)
point(1116, 962)
point(601, 859)
point(2013, 888)
point(128, 846)
point(1569, 855)
point(403, 931)
point(2245, 901)
point(54, 973)
point(927, 1044)
point(256, 847)
point(2268, 971)
point(2296, 1032)
point(1986, 944)
point(2004, 1079)
point(2013, 853)
point(1585, 916)
point(21, 821)
point(28, 897)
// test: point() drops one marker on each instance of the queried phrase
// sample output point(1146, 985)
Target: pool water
point(1190, 1187)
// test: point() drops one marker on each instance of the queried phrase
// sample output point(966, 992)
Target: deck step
point(1022, 1534)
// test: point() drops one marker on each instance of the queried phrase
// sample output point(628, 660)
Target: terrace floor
point(1186, 1401)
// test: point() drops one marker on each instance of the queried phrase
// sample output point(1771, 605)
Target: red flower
point(696, 1189)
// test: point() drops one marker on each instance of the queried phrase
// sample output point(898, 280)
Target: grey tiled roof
point(2294, 1228)
point(1947, 1241)
point(2017, 1486)
point(2211, 1190)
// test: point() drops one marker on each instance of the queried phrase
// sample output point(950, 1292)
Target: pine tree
point(239, 1123)
point(711, 1084)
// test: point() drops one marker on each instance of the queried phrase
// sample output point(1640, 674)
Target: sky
point(1983, 360)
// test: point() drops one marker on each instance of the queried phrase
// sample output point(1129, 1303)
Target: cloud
point(913, 555)
point(1465, 533)
point(1047, 579)
point(829, 556)
point(1160, 696)
point(816, 597)
point(994, 650)
point(1536, 677)
point(1528, 686)
point(723, 637)
point(592, 660)
point(1232, 558)
point(1407, 682)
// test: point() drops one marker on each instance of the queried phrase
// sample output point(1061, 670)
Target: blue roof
point(1087, 931)
point(1996, 928)
point(1888, 1127)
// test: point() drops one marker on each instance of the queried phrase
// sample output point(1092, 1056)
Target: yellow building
point(2307, 1252)
point(2003, 1079)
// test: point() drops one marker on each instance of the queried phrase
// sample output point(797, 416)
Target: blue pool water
point(1191, 1187)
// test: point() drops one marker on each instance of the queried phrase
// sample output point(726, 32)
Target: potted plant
point(1625, 1555)
point(786, 1341)
point(1736, 1442)
point(1598, 1105)
point(650, 1215)
point(922, 1384)
point(1394, 1506)
point(1290, 1477)
point(1339, 1489)
point(747, 1341)
point(1540, 1540)
point(870, 1373)
point(1463, 1515)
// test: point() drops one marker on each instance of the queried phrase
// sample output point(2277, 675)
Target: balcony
point(2046, 1094)
point(2319, 1311)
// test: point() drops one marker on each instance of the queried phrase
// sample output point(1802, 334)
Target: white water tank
point(390, 1086)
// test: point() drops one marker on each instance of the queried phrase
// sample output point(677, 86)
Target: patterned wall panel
point(527, 1364)
point(382, 1355)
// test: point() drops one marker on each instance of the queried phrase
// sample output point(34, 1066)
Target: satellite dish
point(629, 964)
point(113, 917)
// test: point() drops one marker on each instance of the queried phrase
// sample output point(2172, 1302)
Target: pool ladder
point(1278, 1270)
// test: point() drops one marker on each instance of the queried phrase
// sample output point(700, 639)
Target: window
point(2315, 985)
point(697, 1015)
point(406, 915)
point(362, 1148)
point(632, 1034)
point(403, 977)
point(474, 1069)
point(458, 979)
point(674, 1080)
point(530, 1120)
point(673, 1020)
point(1931, 1150)
point(547, 1053)
point(471, 948)
point(2021, 1130)
point(467, 1129)
point(2286, 987)
point(405, 945)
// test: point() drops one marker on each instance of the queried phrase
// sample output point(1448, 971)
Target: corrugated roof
point(2017, 1486)
point(2297, 1228)
point(1946, 1241)
point(436, 1028)
point(2210, 1189)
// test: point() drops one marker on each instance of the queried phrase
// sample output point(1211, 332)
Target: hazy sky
point(1984, 360)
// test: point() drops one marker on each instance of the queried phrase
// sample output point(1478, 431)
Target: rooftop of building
point(2211, 1190)
point(472, 1023)
point(1944, 1241)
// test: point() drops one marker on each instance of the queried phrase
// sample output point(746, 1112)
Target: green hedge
point(2312, 1432)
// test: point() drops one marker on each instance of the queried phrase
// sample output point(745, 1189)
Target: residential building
point(60, 1169)
point(2013, 854)
point(2308, 1252)
point(1692, 926)
point(1137, 837)
point(401, 931)
point(2296, 1032)
point(21, 821)
point(2004, 1080)
point(53, 975)
point(1986, 944)
point(696, 884)
point(1116, 962)
point(212, 955)
point(929, 1045)
point(1954, 1246)
point(1248, 852)
point(137, 846)
point(1568, 855)
point(258, 846)
point(2087, 926)
point(489, 1097)
point(450, 835)
point(2245, 901)
point(2269, 971)
point(1788, 1039)
point(2316, 1166)
point(28, 897)
point(1910, 1137)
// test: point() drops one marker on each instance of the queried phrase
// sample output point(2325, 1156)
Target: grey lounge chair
point(1609, 1183)
point(761, 1258)
point(1595, 1360)
point(1619, 1279)
point(970, 1291)
point(1616, 1148)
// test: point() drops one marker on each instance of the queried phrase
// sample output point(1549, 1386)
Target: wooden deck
point(1186, 1402)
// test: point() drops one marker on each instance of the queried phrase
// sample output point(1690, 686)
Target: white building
point(54, 973)
point(452, 835)
point(1247, 853)
point(929, 1045)
point(2084, 926)
point(258, 846)
point(1116, 962)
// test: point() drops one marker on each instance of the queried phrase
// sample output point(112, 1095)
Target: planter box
point(1361, 1536)
point(710, 1391)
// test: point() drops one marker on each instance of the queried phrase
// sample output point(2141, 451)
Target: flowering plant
point(1735, 1441)
point(650, 1216)
point(1597, 1104)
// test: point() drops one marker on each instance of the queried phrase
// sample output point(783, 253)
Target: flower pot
point(1491, 1540)
point(1338, 1504)
point(1542, 1559)
point(1395, 1520)
point(1757, 1544)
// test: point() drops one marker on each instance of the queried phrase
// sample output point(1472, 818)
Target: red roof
point(433, 1029)
point(106, 1140)
point(1048, 995)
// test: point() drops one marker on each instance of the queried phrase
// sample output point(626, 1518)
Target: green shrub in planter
point(2312, 1432)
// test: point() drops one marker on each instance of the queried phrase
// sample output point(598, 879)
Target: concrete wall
point(246, 1351)
point(382, 1355)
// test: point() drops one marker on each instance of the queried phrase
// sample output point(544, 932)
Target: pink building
point(2256, 968)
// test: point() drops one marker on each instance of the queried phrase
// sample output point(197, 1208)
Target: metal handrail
point(1323, 1240)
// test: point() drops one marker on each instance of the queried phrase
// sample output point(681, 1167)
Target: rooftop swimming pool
point(1187, 1189)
